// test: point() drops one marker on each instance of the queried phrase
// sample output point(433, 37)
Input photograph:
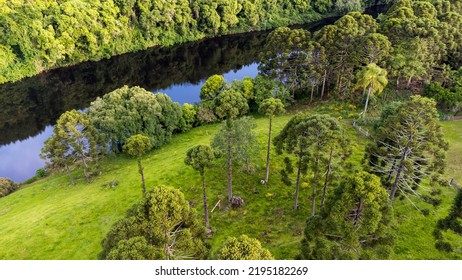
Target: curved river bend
point(29, 108)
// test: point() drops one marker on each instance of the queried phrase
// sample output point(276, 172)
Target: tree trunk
point(206, 207)
point(390, 173)
point(297, 184)
point(315, 179)
point(140, 170)
point(409, 83)
point(397, 83)
point(367, 101)
point(323, 84)
point(85, 168)
point(70, 175)
point(329, 168)
point(398, 175)
point(312, 92)
point(230, 163)
point(268, 150)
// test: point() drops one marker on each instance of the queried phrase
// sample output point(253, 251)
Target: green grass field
point(49, 219)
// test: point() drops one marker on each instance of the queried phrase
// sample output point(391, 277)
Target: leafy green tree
point(345, 6)
point(7, 186)
point(270, 107)
point(161, 226)
point(313, 140)
point(374, 48)
point(130, 111)
point(243, 248)
point(265, 87)
point(74, 137)
point(57, 151)
point(211, 88)
point(136, 248)
point(201, 157)
point(188, 117)
point(228, 105)
point(355, 224)
point(136, 146)
point(409, 147)
point(285, 55)
point(243, 139)
point(375, 78)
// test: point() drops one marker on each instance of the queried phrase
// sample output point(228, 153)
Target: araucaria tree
point(74, 139)
point(355, 224)
point(314, 140)
point(270, 107)
point(409, 147)
point(201, 157)
point(136, 146)
point(161, 226)
point(243, 248)
point(228, 105)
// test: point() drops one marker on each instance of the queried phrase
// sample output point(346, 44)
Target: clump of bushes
point(7, 186)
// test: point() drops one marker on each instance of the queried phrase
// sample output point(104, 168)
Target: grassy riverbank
point(49, 219)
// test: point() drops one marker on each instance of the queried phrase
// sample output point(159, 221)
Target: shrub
point(7, 186)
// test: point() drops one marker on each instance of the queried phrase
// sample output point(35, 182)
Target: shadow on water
point(28, 106)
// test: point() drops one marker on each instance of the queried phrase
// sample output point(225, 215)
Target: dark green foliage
point(354, 224)
point(129, 111)
point(409, 147)
point(243, 248)
point(316, 141)
point(453, 222)
point(243, 141)
point(161, 226)
point(39, 36)
point(74, 139)
point(7, 186)
point(449, 99)
point(40, 173)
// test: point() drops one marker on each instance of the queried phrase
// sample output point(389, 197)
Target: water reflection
point(20, 160)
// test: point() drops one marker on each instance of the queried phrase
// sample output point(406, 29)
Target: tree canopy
point(161, 226)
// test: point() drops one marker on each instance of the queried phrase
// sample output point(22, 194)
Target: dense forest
point(40, 35)
point(352, 149)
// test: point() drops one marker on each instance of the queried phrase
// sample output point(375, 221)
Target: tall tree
point(355, 224)
point(201, 157)
point(409, 147)
point(244, 142)
point(312, 140)
point(161, 226)
point(136, 146)
point(228, 105)
point(57, 151)
point(270, 107)
point(373, 77)
point(74, 137)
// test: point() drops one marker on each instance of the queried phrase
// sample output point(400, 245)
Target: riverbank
point(63, 35)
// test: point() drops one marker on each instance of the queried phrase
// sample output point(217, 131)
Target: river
point(29, 108)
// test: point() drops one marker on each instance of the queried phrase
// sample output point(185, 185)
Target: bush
point(7, 186)
point(40, 173)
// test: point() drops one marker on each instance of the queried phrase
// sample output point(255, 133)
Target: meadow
point(50, 219)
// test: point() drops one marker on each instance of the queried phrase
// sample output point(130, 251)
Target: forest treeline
point(41, 35)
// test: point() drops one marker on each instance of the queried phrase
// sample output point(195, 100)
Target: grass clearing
point(49, 219)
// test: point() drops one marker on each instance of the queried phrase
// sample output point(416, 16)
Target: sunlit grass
point(50, 219)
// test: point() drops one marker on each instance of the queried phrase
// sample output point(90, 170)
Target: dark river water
point(29, 108)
